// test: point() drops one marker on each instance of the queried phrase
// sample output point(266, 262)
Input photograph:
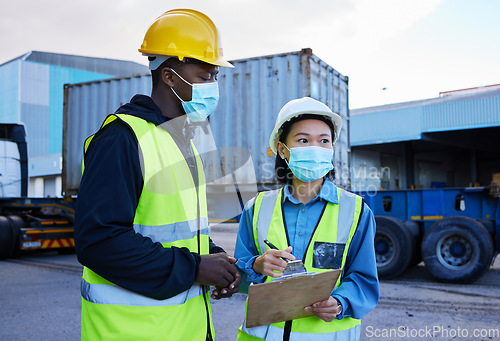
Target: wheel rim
point(384, 249)
point(454, 251)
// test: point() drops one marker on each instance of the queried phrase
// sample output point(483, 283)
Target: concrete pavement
point(39, 300)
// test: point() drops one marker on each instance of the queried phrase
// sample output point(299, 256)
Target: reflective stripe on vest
point(337, 225)
point(272, 333)
point(171, 211)
point(265, 205)
point(170, 233)
point(113, 294)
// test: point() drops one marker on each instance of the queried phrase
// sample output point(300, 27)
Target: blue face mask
point(204, 99)
point(310, 163)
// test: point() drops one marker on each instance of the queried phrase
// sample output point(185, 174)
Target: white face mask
point(310, 163)
point(204, 99)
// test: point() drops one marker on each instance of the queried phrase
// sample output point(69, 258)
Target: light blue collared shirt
point(359, 290)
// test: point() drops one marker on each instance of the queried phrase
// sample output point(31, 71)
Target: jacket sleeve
point(104, 236)
point(359, 289)
point(214, 248)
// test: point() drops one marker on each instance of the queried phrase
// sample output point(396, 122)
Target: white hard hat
point(300, 106)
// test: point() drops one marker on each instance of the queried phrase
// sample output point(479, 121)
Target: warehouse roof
point(410, 120)
point(114, 67)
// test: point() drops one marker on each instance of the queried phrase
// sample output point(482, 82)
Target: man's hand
point(271, 260)
point(326, 310)
point(217, 270)
point(233, 287)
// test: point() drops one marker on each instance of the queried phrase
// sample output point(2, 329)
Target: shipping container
point(251, 95)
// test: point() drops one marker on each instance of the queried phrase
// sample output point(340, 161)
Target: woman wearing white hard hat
point(310, 219)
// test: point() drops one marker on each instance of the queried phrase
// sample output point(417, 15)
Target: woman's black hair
point(283, 173)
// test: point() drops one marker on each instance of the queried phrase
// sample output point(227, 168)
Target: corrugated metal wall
point(386, 126)
point(86, 105)
point(408, 121)
point(251, 96)
point(468, 113)
point(9, 92)
point(34, 100)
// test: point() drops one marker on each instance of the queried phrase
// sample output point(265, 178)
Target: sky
point(391, 50)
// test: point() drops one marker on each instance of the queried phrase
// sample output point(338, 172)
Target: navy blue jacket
point(107, 200)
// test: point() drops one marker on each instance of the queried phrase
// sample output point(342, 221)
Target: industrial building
point(32, 93)
point(449, 141)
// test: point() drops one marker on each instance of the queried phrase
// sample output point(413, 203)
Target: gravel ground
point(39, 300)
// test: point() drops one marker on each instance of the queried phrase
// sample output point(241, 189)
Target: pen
point(271, 245)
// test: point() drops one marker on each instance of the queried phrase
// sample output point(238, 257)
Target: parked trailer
point(28, 223)
point(251, 95)
point(455, 231)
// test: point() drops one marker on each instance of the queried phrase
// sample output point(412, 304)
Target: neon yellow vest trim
point(326, 231)
point(170, 211)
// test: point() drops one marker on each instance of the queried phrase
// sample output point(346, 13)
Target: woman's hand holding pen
point(272, 260)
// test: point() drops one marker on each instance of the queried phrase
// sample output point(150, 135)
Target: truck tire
point(16, 224)
point(5, 237)
point(66, 251)
point(394, 247)
point(414, 229)
point(10, 234)
point(457, 250)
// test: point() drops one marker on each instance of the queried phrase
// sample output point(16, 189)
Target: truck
point(455, 231)
point(28, 223)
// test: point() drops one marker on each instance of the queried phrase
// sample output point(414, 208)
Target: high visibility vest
point(337, 225)
point(172, 211)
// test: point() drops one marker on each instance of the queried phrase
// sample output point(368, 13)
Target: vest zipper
point(203, 287)
point(314, 231)
point(288, 324)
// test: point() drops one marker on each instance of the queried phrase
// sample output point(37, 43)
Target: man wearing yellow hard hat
point(141, 225)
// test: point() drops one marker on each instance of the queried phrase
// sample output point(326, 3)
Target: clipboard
point(285, 299)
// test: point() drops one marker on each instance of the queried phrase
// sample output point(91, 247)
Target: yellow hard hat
point(184, 33)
